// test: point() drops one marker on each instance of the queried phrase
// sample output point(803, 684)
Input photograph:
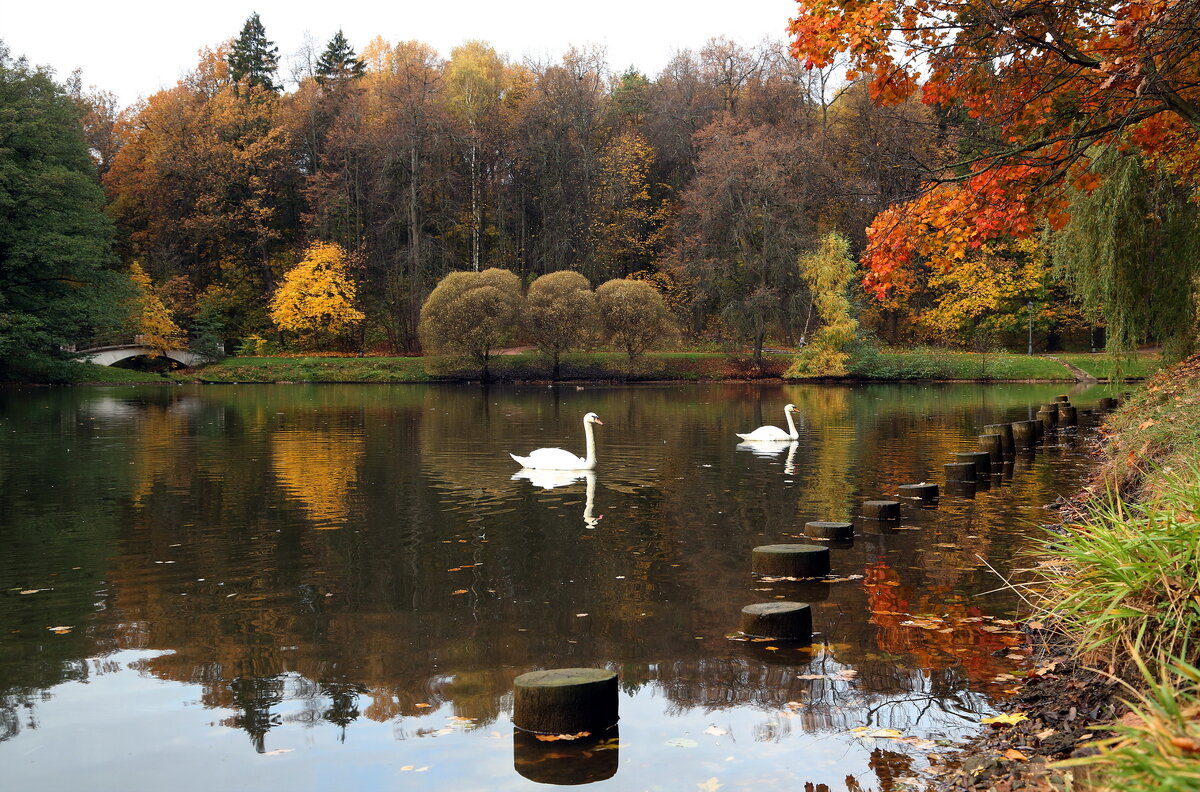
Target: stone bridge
point(108, 355)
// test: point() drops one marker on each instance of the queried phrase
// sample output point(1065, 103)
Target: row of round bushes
point(476, 313)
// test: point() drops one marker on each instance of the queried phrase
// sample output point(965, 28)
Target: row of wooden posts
point(573, 700)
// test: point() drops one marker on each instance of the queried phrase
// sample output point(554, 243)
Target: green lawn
point(1101, 365)
point(938, 364)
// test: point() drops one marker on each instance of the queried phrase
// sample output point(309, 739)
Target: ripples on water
point(326, 587)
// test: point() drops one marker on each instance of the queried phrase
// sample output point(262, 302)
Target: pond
point(333, 586)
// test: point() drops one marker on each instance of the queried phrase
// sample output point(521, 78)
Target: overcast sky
point(136, 47)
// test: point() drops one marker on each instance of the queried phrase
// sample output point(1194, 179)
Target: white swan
point(558, 459)
point(773, 433)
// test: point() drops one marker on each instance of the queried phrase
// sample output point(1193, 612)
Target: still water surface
point(332, 587)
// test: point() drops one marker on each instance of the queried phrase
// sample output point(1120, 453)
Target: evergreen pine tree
point(338, 62)
point(254, 57)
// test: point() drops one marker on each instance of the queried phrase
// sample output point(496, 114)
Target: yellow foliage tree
point(627, 226)
point(828, 271)
point(151, 320)
point(316, 297)
point(987, 289)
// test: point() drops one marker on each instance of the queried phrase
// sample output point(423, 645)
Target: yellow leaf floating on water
point(716, 731)
point(456, 593)
point(865, 732)
point(278, 751)
point(555, 737)
point(63, 630)
point(1007, 719)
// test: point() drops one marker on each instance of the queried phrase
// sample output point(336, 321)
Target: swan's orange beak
point(597, 420)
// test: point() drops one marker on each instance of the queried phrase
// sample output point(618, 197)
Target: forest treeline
point(711, 180)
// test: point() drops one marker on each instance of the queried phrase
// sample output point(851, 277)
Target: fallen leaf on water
point(30, 591)
point(456, 593)
point(885, 734)
point(681, 742)
point(716, 731)
point(459, 719)
point(406, 768)
point(771, 648)
point(1014, 754)
point(1007, 719)
point(711, 785)
point(278, 751)
point(580, 615)
point(62, 630)
point(422, 705)
point(556, 737)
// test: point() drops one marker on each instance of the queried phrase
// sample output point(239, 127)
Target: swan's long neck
point(792, 433)
point(591, 445)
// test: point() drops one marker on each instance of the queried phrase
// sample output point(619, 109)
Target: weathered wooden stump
point(787, 621)
point(1051, 408)
point(881, 509)
point(982, 460)
point(959, 471)
point(1006, 435)
point(993, 444)
point(923, 491)
point(584, 760)
point(819, 529)
point(1062, 398)
point(1024, 434)
point(565, 700)
point(1048, 419)
point(790, 560)
point(1067, 416)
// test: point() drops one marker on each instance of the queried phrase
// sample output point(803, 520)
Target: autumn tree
point(338, 62)
point(560, 314)
point(1050, 87)
point(627, 220)
point(316, 297)
point(634, 316)
point(149, 317)
point(58, 283)
point(828, 271)
point(472, 313)
point(253, 57)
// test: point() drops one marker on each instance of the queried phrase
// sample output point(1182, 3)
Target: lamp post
point(1030, 352)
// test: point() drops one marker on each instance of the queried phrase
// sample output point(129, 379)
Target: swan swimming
point(558, 459)
point(774, 433)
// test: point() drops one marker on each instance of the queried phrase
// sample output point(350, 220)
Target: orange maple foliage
point(1047, 79)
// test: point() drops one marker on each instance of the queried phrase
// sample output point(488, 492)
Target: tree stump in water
point(881, 509)
point(565, 700)
point(1062, 398)
point(982, 461)
point(819, 529)
point(993, 444)
point(790, 560)
point(1024, 435)
point(787, 621)
point(922, 491)
point(959, 471)
point(1051, 408)
point(1067, 415)
point(1048, 419)
point(1006, 436)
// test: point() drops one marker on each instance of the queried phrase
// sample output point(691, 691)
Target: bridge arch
point(107, 356)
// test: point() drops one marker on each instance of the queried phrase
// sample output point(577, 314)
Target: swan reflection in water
point(550, 479)
point(771, 449)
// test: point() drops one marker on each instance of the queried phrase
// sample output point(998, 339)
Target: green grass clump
point(71, 372)
point(926, 363)
point(1129, 574)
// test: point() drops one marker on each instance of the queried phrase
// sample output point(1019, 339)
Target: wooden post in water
point(785, 621)
point(993, 444)
point(881, 509)
point(1067, 415)
point(959, 471)
point(1048, 419)
point(1051, 408)
point(790, 560)
point(1006, 436)
point(838, 531)
point(1062, 398)
point(982, 461)
point(565, 700)
point(923, 491)
point(1024, 435)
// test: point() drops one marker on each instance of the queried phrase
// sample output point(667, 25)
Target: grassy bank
point(73, 373)
point(602, 366)
point(1103, 366)
point(919, 364)
point(1123, 580)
